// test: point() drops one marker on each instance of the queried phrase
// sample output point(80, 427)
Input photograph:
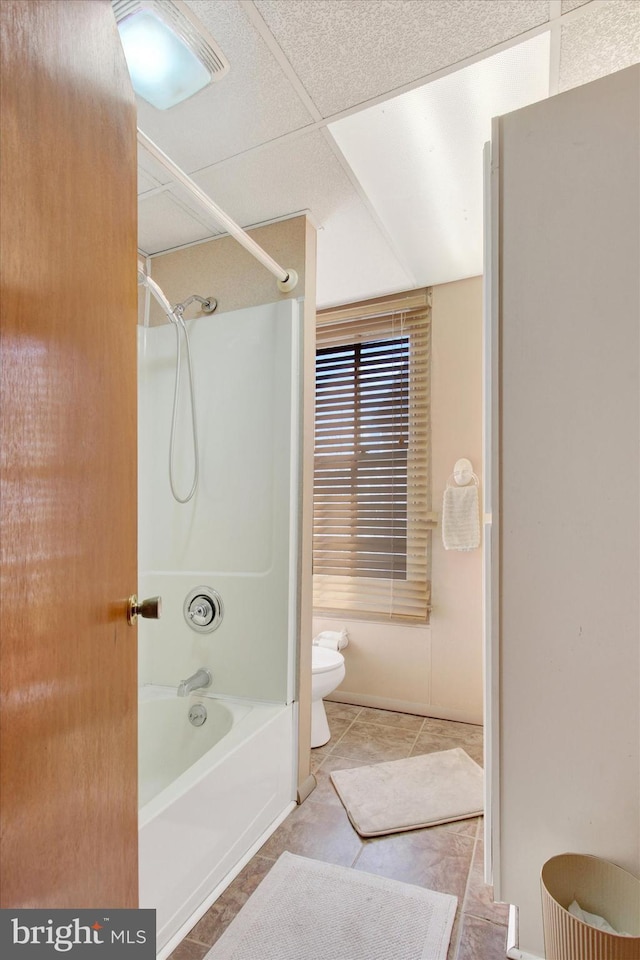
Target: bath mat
point(319, 911)
point(407, 794)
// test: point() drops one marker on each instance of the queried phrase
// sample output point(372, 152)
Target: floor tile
point(374, 744)
point(454, 939)
point(475, 751)
point(218, 917)
point(482, 940)
point(325, 792)
point(432, 742)
point(316, 760)
point(317, 830)
point(388, 718)
point(337, 726)
point(189, 950)
point(472, 735)
point(341, 711)
point(452, 728)
point(466, 828)
point(447, 857)
point(436, 858)
point(479, 899)
point(319, 753)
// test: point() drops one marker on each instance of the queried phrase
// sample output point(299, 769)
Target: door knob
point(151, 608)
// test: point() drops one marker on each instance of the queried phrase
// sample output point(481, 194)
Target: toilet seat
point(323, 659)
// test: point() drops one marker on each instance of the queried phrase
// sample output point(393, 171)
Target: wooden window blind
point(372, 478)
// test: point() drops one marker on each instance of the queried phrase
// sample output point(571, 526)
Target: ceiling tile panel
point(349, 51)
point(246, 135)
point(355, 261)
point(568, 5)
point(164, 223)
point(253, 103)
point(150, 173)
point(146, 181)
point(280, 179)
point(419, 157)
point(606, 38)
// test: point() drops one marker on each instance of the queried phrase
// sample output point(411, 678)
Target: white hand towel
point(332, 639)
point(460, 518)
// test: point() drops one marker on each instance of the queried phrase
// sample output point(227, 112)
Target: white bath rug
point(407, 794)
point(319, 911)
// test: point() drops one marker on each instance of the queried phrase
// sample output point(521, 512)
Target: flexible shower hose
point(176, 318)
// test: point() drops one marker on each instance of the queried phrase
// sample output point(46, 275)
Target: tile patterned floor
point(447, 858)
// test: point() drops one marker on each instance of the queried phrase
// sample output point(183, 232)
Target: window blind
point(372, 478)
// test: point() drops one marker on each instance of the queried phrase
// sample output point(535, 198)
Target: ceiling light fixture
point(169, 55)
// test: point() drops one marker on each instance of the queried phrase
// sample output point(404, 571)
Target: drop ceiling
point(370, 115)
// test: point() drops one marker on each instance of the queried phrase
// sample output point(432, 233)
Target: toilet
point(327, 668)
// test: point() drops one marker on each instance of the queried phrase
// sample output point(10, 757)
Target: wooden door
point(68, 416)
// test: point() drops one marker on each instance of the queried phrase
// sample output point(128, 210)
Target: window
point(371, 481)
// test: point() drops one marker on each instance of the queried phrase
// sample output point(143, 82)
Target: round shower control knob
point(203, 609)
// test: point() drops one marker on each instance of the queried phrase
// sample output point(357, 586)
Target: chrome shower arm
point(208, 304)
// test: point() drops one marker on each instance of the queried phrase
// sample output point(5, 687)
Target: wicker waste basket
point(599, 887)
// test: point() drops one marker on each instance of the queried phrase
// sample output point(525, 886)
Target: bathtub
point(207, 795)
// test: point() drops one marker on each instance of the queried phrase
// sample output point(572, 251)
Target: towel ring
point(462, 474)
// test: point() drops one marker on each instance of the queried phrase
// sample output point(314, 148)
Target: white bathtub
point(207, 795)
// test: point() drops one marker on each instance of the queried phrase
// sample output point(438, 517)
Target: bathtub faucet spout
point(202, 678)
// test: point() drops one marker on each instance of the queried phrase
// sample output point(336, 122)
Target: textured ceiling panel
point(163, 223)
point(253, 103)
point(603, 40)
point(355, 261)
point(145, 181)
point(280, 179)
point(349, 51)
point(150, 173)
point(418, 157)
point(568, 5)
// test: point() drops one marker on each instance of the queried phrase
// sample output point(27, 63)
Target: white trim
point(513, 950)
point(488, 701)
point(197, 914)
point(491, 571)
point(403, 706)
point(295, 495)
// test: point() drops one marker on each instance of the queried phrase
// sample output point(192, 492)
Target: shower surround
point(238, 535)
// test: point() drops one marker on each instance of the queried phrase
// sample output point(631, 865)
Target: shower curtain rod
point(287, 279)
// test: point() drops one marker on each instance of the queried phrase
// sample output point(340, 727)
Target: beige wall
point(435, 670)
point(223, 269)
